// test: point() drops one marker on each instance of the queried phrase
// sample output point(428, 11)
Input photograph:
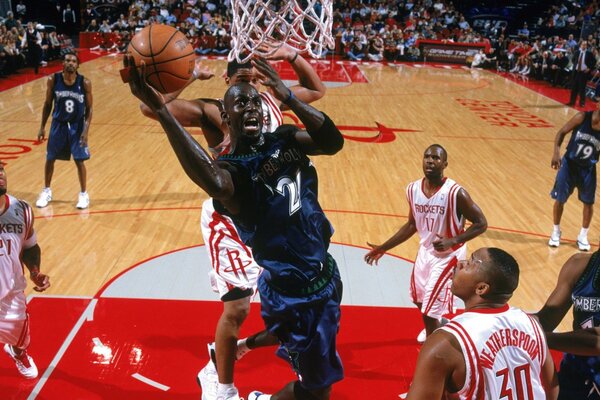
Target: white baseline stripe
point(150, 382)
point(63, 349)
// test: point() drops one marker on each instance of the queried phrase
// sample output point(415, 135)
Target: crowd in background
point(375, 30)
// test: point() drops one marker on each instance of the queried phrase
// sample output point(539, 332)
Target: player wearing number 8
point(72, 97)
point(491, 351)
point(576, 169)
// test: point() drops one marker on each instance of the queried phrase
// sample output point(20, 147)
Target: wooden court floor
point(498, 135)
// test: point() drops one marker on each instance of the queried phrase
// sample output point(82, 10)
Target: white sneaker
point(232, 394)
point(422, 336)
point(583, 243)
point(554, 239)
point(44, 198)
point(24, 363)
point(208, 380)
point(256, 395)
point(83, 201)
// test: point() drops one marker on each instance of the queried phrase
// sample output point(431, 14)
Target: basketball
point(168, 55)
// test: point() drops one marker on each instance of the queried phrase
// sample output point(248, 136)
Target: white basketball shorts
point(231, 260)
point(431, 281)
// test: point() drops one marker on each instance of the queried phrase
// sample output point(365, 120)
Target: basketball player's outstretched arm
point(47, 108)
point(559, 302)
point(560, 136)
point(320, 136)
point(404, 233)
point(582, 342)
point(196, 162)
point(310, 87)
point(472, 213)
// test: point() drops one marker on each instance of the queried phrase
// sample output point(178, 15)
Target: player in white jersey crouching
point(492, 351)
point(17, 243)
point(438, 210)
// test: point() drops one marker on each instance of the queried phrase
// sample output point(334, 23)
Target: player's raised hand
point(374, 255)
point(283, 52)
point(270, 78)
point(138, 85)
point(41, 281)
point(202, 72)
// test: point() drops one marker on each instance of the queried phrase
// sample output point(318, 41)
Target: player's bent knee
point(301, 393)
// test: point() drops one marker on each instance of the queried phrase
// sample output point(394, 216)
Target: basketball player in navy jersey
point(491, 351)
point(71, 118)
point(236, 286)
point(578, 285)
point(268, 186)
point(576, 169)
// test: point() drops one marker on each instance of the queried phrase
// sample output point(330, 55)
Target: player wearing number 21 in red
point(491, 351)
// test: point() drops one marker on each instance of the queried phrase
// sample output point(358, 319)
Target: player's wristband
point(294, 58)
point(290, 97)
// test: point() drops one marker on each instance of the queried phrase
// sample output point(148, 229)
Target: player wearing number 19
point(491, 351)
point(72, 97)
point(576, 169)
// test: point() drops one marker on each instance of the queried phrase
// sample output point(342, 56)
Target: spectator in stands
point(524, 31)
point(93, 26)
point(32, 41)
point(541, 66)
point(375, 49)
point(357, 51)
point(558, 69)
point(221, 46)
point(10, 21)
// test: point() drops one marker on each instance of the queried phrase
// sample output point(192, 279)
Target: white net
point(302, 24)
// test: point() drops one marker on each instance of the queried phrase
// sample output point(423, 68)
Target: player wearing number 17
point(491, 351)
point(576, 169)
point(71, 118)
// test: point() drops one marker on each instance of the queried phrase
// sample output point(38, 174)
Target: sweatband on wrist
point(294, 58)
point(290, 97)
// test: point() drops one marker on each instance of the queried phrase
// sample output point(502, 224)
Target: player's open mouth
point(251, 124)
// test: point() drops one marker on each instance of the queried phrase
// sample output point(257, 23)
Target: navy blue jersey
point(69, 101)
point(584, 145)
point(280, 219)
point(586, 296)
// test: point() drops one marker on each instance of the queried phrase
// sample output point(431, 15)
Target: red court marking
point(51, 321)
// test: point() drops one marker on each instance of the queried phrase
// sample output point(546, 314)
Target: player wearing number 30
point(71, 118)
point(491, 351)
point(577, 169)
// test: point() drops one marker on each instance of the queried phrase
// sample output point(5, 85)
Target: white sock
point(556, 229)
point(226, 389)
point(583, 232)
point(241, 345)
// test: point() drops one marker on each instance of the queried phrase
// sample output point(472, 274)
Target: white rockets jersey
point(504, 351)
point(435, 215)
point(16, 226)
point(272, 119)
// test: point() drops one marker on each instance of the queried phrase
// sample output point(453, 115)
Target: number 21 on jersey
point(293, 190)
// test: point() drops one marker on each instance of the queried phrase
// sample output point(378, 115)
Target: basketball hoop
point(302, 24)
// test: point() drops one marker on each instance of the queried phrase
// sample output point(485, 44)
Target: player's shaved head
point(443, 152)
